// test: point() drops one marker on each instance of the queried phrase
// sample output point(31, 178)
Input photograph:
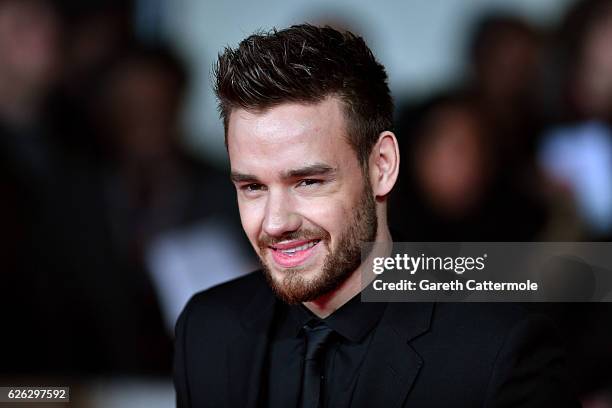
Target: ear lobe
point(384, 164)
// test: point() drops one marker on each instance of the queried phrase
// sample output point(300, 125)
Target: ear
point(384, 164)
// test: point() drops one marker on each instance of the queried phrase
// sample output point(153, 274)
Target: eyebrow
point(317, 169)
point(243, 178)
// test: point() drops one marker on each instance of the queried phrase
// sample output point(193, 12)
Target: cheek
point(251, 218)
point(330, 214)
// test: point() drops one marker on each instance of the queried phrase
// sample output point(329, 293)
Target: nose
point(280, 217)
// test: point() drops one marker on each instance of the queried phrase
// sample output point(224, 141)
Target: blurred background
point(115, 206)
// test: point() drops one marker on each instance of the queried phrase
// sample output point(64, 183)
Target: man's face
point(304, 201)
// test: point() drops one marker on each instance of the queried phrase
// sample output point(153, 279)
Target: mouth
point(293, 253)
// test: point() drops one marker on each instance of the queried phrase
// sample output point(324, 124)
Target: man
point(307, 114)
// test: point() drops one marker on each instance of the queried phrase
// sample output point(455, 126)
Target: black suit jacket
point(422, 354)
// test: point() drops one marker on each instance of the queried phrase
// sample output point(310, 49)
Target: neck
point(332, 301)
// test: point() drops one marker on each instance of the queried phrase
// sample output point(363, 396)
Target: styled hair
point(306, 64)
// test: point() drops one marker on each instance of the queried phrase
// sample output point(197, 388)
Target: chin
point(306, 273)
point(294, 285)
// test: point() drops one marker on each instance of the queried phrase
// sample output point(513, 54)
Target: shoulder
point(510, 349)
point(483, 331)
point(210, 319)
point(490, 326)
point(229, 297)
point(225, 305)
point(507, 350)
point(497, 318)
point(469, 319)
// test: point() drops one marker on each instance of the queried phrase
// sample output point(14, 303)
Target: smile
point(294, 253)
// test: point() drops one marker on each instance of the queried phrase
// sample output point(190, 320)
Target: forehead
point(287, 136)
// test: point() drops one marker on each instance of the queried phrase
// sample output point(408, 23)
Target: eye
point(309, 182)
point(250, 188)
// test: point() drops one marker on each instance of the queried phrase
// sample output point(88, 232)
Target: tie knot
point(317, 337)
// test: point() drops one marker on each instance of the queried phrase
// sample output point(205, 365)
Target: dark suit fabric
point(422, 354)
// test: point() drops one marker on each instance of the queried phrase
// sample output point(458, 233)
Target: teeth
point(300, 248)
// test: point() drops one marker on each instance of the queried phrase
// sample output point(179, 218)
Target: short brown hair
point(306, 63)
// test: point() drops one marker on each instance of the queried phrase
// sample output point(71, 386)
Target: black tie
point(317, 338)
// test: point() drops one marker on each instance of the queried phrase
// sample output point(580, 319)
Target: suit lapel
point(391, 364)
point(246, 352)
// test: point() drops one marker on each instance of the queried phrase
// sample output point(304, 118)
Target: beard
point(339, 263)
